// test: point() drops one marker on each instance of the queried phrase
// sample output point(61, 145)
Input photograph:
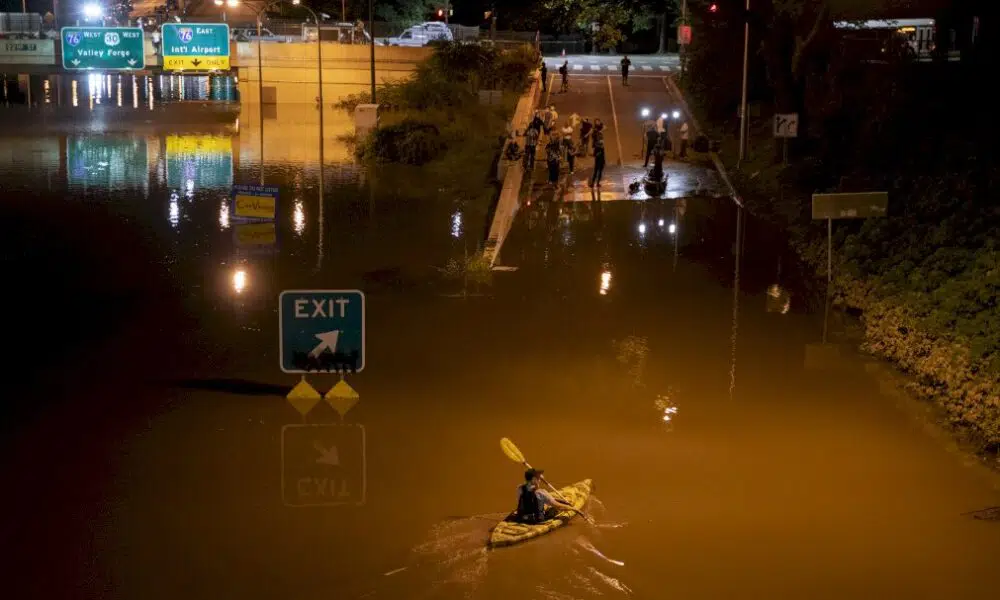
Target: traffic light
point(440, 12)
point(713, 8)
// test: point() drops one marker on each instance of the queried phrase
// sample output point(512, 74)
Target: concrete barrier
point(290, 71)
point(510, 194)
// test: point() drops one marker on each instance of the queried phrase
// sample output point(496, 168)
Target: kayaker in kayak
point(534, 504)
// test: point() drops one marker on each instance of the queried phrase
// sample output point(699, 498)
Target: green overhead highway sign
point(102, 48)
point(195, 46)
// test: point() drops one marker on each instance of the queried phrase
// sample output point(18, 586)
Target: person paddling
point(534, 504)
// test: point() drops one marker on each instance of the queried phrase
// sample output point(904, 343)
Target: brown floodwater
point(144, 422)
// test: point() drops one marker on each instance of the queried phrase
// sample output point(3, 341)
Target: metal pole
point(743, 99)
point(260, 95)
point(343, 12)
point(446, 11)
point(829, 254)
point(319, 76)
point(683, 47)
point(371, 32)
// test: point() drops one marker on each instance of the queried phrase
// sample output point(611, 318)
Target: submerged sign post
point(321, 330)
point(850, 205)
point(102, 48)
point(195, 46)
point(255, 202)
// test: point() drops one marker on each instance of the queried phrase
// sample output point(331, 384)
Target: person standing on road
point(552, 150)
point(564, 71)
point(684, 139)
point(595, 179)
point(550, 120)
point(626, 63)
point(598, 132)
point(545, 77)
point(530, 145)
point(585, 128)
point(570, 148)
point(651, 139)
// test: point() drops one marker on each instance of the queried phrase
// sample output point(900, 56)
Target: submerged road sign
point(254, 201)
point(323, 465)
point(195, 46)
point(321, 330)
point(102, 48)
point(854, 205)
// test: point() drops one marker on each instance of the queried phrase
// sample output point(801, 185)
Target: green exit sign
point(102, 48)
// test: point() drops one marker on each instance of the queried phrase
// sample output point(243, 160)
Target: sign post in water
point(255, 202)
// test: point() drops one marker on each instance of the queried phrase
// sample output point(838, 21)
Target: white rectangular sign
point(786, 126)
point(27, 52)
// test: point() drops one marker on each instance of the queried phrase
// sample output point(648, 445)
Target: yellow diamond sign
point(342, 397)
point(303, 397)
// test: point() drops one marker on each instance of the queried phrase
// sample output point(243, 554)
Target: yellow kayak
point(509, 532)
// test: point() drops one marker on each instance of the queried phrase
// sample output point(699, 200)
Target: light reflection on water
point(453, 561)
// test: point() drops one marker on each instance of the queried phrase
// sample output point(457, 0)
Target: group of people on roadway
point(576, 138)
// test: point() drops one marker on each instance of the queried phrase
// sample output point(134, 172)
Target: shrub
point(410, 141)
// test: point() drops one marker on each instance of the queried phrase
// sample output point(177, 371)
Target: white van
point(420, 35)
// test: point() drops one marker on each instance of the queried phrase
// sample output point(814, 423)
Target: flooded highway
point(146, 436)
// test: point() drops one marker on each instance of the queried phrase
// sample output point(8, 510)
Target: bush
point(410, 142)
point(444, 93)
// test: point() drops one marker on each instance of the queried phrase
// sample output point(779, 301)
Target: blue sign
point(257, 202)
point(321, 330)
point(323, 465)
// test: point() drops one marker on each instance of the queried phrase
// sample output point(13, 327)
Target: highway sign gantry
point(102, 48)
point(195, 46)
point(321, 331)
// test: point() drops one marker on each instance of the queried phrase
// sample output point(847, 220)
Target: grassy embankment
point(925, 280)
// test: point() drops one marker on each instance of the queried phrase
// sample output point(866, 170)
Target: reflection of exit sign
point(323, 465)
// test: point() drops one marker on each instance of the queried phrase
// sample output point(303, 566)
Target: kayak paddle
point(514, 453)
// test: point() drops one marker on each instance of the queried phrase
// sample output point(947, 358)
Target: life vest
point(529, 506)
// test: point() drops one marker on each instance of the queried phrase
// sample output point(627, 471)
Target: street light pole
point(683, 47)
point(743, 99)
point(371, 33)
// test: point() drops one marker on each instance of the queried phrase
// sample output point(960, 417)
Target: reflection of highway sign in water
point(103, 48)
point(195, 46)
point(323, 465)
point(321, 330)
point(107, 161)
point(204, 160)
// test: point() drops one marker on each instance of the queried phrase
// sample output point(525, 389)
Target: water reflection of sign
point(107, 161)
point(254, 201)
point(256, 235)
point(31, 52)
point(204, 159)
point(195, 46)
point(323, 465)
point(117, 48)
